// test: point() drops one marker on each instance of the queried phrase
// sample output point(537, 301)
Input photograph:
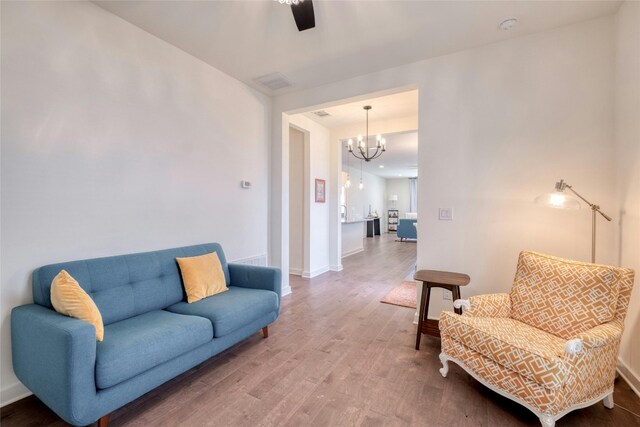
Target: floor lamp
point(560, 200)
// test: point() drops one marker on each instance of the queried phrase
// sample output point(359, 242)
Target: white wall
point(353, 236)
point(317, 162)
point(373, 194)
point(627, 138)
point(296, 201)
point(399, 187)
point(113, 142)
point(530, 114)
point(498, 125)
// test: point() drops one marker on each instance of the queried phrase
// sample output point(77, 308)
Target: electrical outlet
point(446, 295)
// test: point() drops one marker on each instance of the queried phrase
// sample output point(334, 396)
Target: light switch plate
point(445, 214)
point(446, 295)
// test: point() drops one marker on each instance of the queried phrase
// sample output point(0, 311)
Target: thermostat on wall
point(245, 184)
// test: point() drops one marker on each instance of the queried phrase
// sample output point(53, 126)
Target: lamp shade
point(394, 198)
point(558, 200)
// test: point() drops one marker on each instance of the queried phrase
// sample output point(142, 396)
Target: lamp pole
point(594, 208)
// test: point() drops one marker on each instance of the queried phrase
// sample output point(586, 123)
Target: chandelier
point(363, 144)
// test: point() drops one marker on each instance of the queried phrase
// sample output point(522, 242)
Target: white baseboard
point(295, 271)
point(316, 272)
point(336, 267)
point(286, 290)
point(13, 393)
point(629, 376)
point(352, 252)
point(260, 260)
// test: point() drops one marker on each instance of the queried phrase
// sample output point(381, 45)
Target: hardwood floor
point(335, 357)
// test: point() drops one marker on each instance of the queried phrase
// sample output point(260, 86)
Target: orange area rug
point(403, 295)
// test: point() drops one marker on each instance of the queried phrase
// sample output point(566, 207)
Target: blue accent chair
point(407, 229)
point(151, 334)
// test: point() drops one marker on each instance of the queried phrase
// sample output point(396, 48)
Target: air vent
point(321, 113)
point(273, 81)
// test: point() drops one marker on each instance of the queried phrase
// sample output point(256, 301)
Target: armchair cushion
point(563, 297)
point(530, 352)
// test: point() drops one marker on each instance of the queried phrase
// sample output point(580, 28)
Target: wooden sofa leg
point(104, 421)
point(265, 332)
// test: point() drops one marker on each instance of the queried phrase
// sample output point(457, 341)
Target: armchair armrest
point(490, 305)
point(600, 336)
point(256, 277)
point(54, 356)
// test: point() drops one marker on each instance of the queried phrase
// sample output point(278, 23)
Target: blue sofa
point(151, 334)
point(407, 229)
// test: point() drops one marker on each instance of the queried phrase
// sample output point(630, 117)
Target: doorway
point(358, 195)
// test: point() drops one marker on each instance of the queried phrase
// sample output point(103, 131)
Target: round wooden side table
point(436, 279)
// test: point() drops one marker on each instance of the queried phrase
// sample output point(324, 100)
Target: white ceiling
point(401, 158)
point(399, 161)
point(248, 39)
point(398, 105)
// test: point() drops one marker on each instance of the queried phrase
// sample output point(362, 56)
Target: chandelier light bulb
point(361, 185)
point(366, 151)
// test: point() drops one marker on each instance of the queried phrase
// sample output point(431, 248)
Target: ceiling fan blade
point(303, 15)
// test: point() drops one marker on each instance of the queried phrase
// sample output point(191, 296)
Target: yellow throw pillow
point(202, 276)
point(68, 298)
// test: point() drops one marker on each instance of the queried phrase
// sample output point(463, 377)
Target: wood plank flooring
point(335, 357)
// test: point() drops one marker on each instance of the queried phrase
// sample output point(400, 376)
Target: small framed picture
point(320, 190)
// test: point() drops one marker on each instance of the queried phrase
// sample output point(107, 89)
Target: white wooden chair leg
point(547, 420)
point(445, 365)
point(608, 401)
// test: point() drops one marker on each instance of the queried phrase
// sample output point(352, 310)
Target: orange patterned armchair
point(552, 343)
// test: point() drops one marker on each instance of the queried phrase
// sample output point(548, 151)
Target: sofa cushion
point(563, 297)
point(134, 345)
point(530, 352)
point(231, 310)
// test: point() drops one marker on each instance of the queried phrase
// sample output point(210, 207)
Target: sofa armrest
point(54, 356)
point(490, 305)
point(256, 277)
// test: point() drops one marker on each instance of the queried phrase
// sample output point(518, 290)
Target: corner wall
point(627, 146)
point(113, 142)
